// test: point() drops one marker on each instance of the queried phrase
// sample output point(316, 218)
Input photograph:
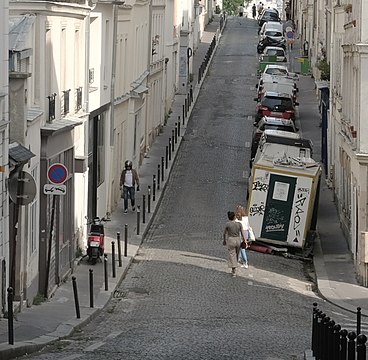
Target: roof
point(19, 154)
point(19, 29)
point(57, 126)
point(276, 94)
point(279, 133)
point(269, 120)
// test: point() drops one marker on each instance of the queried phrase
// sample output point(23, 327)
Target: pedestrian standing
point(241, 10)
point(128, 181)
point(232, 240)
point(242, 218)
point(254, 11)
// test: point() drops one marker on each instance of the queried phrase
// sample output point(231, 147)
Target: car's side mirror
point(296, 103)
point(256, 86)
point(255, 99)
point(297, 129)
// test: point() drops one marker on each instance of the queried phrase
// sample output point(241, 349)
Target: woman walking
point(242, 218)
point(232, 240)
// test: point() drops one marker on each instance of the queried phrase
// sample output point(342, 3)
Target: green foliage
point(39, 299)
point(231, 6)
point(324, 67)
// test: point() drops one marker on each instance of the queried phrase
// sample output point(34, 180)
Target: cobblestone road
point(178, 300)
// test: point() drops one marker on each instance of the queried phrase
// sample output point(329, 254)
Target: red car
point(277, 105)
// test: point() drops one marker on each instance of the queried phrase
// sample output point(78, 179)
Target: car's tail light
point(263, 108)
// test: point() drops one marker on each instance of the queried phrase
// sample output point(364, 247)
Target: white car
point(272, 29)
point(273, 51)
point(279, 70)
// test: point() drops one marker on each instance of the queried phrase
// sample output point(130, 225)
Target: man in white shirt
point(128, 180)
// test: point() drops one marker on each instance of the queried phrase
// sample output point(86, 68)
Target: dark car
point(280, 105)
point(268, 15)
point(271, 123)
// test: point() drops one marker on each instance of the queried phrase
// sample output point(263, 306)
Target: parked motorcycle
point(267, 41)
point(96, 240)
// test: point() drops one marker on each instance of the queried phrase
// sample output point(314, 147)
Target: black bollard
point(149, 200)
point(330, 332)
point(191, 93)
point(153, 187)
point(351, 345)
point(320, 341)
point(188, 101)
point(186, 107)
point(169, 149)
point(173, 140)
point(105, 273)
point(167, 157)
point(324, 343)
point(144, 209)
point(314, 326)
point(359, 320)
point(176, 133)
point(179, 128)
point(183, 114)
point(91, 288)
point(126, 241)
point(113, 265)
point(336, 341)
point(162, 169)
point(361, 347)
point(138, 219)
point(76, 300)
point(158, 176)
point(119, 248)
point(10, 317)
point(343, 344)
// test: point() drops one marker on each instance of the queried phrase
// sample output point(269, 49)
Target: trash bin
point(304, 65)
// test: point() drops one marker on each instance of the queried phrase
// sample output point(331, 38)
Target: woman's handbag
point(251, 234)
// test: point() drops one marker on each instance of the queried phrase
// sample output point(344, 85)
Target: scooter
point(96, 240)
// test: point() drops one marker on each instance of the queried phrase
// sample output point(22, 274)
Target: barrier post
point(76, 300)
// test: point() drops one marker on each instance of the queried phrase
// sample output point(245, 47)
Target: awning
point(58, 126)
point(139, 90)
point(19, 154)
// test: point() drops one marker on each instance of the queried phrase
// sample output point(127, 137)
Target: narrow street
point(178, 300)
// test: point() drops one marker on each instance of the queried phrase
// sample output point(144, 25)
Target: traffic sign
point(52, 189)
point(57, 173)
point(22, 188)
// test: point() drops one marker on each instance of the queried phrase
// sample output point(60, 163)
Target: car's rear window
point(273, 33)
point(278, 52)
point(281, 102)
point(277, 127)
point(269, 16)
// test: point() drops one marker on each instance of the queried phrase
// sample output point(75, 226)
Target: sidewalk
point(39, 325)
point(333, 261)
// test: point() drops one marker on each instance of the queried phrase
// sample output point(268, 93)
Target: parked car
point(278, 84)
point(276, 104)
point(273, 51)
point(272, 29)
point(279, 70)
point(268, 15)
point(267, 41)
point(270, 123)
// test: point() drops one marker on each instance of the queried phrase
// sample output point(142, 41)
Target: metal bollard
point(359, 320)
point(153, 187)
point(138, 219)
point(343, 344)
point(191, 93)
point(336, 341)
point(188, 101)
point(186, 107)
point(179, 128)
point(173, 140)
point(320, 341)
point(10, 317)
point(158, 176)
point(351, 345)
point(167, 157)
point(314, 326)
point(183, 114)
point(162, 169)
point(76, 300)
point(113, 265)
point(169, 149)
point(105, 273)
point(324, 343)
point(149, 200)
point(330, 327)
point(91, 288)
point(144, 209)
point(126, 241)
point(361, 347)
point(176, 133)
point(119, 248)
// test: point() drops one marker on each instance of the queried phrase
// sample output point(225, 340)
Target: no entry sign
point(57, 173)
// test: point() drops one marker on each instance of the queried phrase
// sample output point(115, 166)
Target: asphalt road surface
point(178, 300)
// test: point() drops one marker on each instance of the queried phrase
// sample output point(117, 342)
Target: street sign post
point(57, 173)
